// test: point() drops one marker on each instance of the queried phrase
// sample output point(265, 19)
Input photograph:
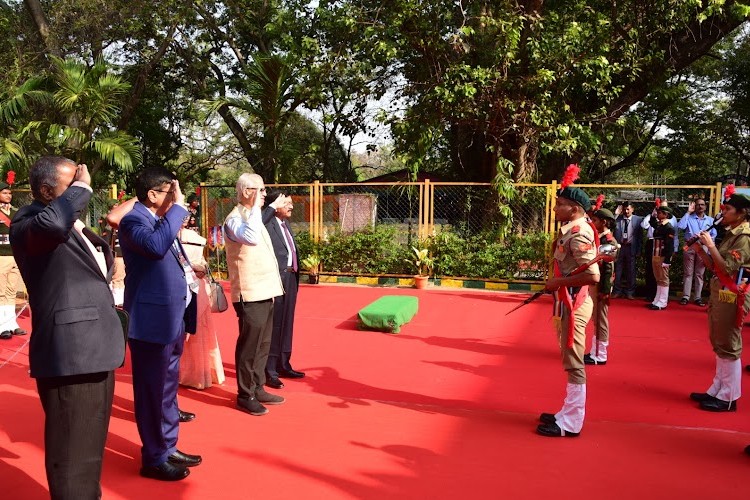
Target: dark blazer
point(635, 230)
point(155, 283)
point(277, 237)
point(75, 328)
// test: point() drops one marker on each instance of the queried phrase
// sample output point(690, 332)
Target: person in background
point(9, 274)
point(280, 354)
point(728, 304)
point(649, 269)
point(661, 257)
point(160, 287)
point(200, 364)
point(194, 211)
point(255, 282)
point(115, 214)
point(603, 220)
point(629, 235)
point(77, 340)
point(692, 223)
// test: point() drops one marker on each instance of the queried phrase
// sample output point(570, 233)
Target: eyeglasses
point(262, 190)
point(162, 191)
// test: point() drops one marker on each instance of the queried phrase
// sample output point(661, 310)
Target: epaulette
point(575, 229)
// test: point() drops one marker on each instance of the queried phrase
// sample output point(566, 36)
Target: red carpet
point(447, 409)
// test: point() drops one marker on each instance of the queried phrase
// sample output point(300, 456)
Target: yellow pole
point(716, 199)
point(204, 210)
point(113, 191)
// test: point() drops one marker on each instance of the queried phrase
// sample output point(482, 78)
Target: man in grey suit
point(276, 215)
point(629, 235)
point(77, 340)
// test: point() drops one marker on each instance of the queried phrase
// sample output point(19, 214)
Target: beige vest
point(253, 270)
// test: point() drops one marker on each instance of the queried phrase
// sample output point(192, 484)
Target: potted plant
point(423, 264)
point(312, 265)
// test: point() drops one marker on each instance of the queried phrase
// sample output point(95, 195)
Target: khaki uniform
point(575, 245)
point(601, 306)
point(725, 335)
point(9, 275)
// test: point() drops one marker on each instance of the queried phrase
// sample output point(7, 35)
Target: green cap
point(604, 213)
point(4, 185)
point(667, 210)
point(738, 201)
point(576, 194)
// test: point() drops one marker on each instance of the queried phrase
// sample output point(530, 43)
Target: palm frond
point(117, 149)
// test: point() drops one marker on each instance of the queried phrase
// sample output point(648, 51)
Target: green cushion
point(388, 313)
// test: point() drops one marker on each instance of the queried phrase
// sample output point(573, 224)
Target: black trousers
point(251, 353)
point(77, 410)
point(280, 354)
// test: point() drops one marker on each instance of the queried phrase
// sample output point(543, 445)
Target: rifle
point(607, 253)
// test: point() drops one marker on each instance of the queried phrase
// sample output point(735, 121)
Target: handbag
point(216, 297)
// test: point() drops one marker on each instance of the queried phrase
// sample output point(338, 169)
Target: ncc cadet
point(661, 259)
point(9, 275)
point(575, 246)
point(729, 303)
point(603, 220)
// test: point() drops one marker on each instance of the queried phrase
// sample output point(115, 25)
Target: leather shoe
point(553, 430)
point(291, 374)
point(701, 396)
point(19, 331)
point(747, 368)
point(548, 418)
point(747, 449)
point(699, 302)
point(655, 308)
point(718, 405)
point(267, 398)
point(252, 406)
point(588, 360)
point(274, 382)
point(6, 334)
point(165, 472)
point(186, 416)
point(184, 459)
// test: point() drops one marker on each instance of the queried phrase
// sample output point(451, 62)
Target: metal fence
point(369, 228)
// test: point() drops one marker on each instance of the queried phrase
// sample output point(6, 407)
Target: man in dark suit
point(159, 295)
point(77, 340)
point(629, 235)
point(276, 221)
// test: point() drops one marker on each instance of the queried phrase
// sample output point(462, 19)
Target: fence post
point(204, 209)
point(549, 218)
point(716, 199)
point(113, 191)
point(316, 211)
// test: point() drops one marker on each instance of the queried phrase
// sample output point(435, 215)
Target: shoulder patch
point(585, 247)
point(735, 254)
point(609, 237)
point(575, 229)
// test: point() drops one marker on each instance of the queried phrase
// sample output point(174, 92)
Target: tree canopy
point(473, 89)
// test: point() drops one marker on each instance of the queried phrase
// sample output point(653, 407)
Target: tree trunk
point(37, 14)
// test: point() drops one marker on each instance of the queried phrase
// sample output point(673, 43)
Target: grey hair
point(44, 171)
point(247, 180)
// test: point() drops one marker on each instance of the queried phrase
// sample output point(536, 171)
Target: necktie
point(290, 242)
point(625, 231)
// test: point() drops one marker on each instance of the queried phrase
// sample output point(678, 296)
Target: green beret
point(577, 195)
point(666, 210)
point(739, 201)
point(603, 213)
point(4, 185)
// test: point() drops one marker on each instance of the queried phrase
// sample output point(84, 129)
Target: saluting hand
point(82, 174)
point(178, 196)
